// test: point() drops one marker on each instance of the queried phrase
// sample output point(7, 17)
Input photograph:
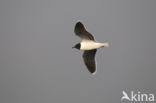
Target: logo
point(137, 97)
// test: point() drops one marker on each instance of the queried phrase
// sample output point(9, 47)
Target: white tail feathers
point(106, 44)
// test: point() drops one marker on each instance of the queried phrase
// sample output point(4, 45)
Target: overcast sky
point(38, 64)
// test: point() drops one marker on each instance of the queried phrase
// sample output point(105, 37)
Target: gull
point(89, 46)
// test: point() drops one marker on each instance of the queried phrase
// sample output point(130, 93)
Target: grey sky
point(38, 64)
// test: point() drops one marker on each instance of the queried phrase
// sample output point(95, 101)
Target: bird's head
point(77, 46)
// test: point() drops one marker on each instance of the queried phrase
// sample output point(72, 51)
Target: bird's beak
point(73, 47)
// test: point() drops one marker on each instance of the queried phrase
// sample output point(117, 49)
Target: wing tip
point(79, 28)
point(93, 73)
point(79, 23)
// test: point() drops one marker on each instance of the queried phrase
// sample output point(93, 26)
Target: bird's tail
point(106, 44)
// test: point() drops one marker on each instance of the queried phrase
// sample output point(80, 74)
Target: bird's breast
point(89, 45)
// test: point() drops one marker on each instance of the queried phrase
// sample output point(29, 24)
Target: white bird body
point(90, 45)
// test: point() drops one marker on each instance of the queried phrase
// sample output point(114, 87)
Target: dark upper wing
point(89, 60)
point(82, 32)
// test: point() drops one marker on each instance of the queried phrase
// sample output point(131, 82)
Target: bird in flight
point(89, 46)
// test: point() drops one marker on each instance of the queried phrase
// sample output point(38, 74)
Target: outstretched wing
point(89, 60)
point(82, 32)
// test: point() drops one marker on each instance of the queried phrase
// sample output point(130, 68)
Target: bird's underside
point(82, 32)
point(89, 60)
point(89, 45)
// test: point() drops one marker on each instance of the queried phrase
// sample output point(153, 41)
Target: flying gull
point(88, 45)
